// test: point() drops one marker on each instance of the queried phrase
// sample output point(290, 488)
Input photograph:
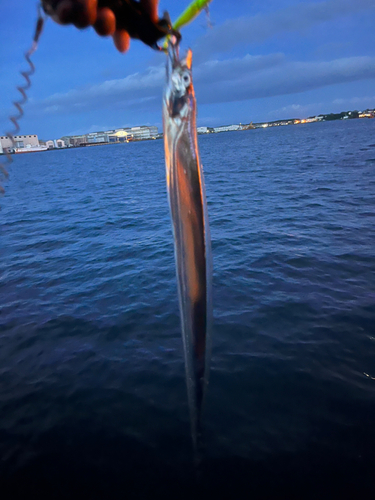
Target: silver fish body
point(185, 185)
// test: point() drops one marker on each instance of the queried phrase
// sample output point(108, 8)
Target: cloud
point(229, 69)
point(142, 90)
point(256, 29)
point(294, 111)
point(356, 101)
point(333, 49)
point(131, 91)
point(335, 106)
point(283, 79)
point(230, 80)
point(91, 128)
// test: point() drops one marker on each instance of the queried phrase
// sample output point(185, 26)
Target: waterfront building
point(77, 140)
point(120, 135)
point(227, 128)
point(66, 141)
point(110, 136)
point(113, 138)
point(97, 137)
point(131, 133)
point(202, 130)
point(55, 144)
point(21, 141)
point(143, 132)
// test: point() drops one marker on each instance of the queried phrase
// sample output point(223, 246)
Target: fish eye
point(186, 78)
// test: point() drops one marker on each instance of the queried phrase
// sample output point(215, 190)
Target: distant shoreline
point(343, 116)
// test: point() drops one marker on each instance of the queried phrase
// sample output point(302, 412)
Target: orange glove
point(104, 16)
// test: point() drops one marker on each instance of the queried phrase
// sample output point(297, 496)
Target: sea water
point(93, 400)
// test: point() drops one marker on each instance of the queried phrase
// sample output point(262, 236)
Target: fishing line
point(23, 91)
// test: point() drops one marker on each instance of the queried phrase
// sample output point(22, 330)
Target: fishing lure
point(190, 13)
point(23, 91)
point(187, 200)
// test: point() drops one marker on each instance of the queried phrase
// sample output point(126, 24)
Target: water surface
point(92, 393)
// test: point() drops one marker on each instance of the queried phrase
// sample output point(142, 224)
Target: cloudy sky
point(261, 60)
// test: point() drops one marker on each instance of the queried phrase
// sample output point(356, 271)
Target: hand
point(84, 13)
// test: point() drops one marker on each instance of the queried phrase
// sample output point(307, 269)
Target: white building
point(202, 130)
point(227, 128)
point(55, 144)
point(133, 133)
point(20, 141)
point(66, 141)
point(97, 137)
point(109, 136)
point(118, 135)
point(143, 132)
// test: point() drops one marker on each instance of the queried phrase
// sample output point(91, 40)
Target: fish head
point(180, 91)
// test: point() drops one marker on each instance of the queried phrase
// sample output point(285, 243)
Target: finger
point(105, 23)
point(121, 39)
point(151, 7)
point(64, 12)
point(58, 10)
point(84, 13)
point(49, 6)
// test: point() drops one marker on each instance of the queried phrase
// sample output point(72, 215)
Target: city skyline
point(260, 62)
point(299, 119)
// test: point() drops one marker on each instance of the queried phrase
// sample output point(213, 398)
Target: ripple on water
point(91, 360)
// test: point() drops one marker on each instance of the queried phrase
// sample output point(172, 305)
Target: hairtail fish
point(187, 200)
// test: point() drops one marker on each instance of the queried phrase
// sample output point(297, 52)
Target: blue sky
point(262, 60)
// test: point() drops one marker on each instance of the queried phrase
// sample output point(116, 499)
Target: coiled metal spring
point(21, 102)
